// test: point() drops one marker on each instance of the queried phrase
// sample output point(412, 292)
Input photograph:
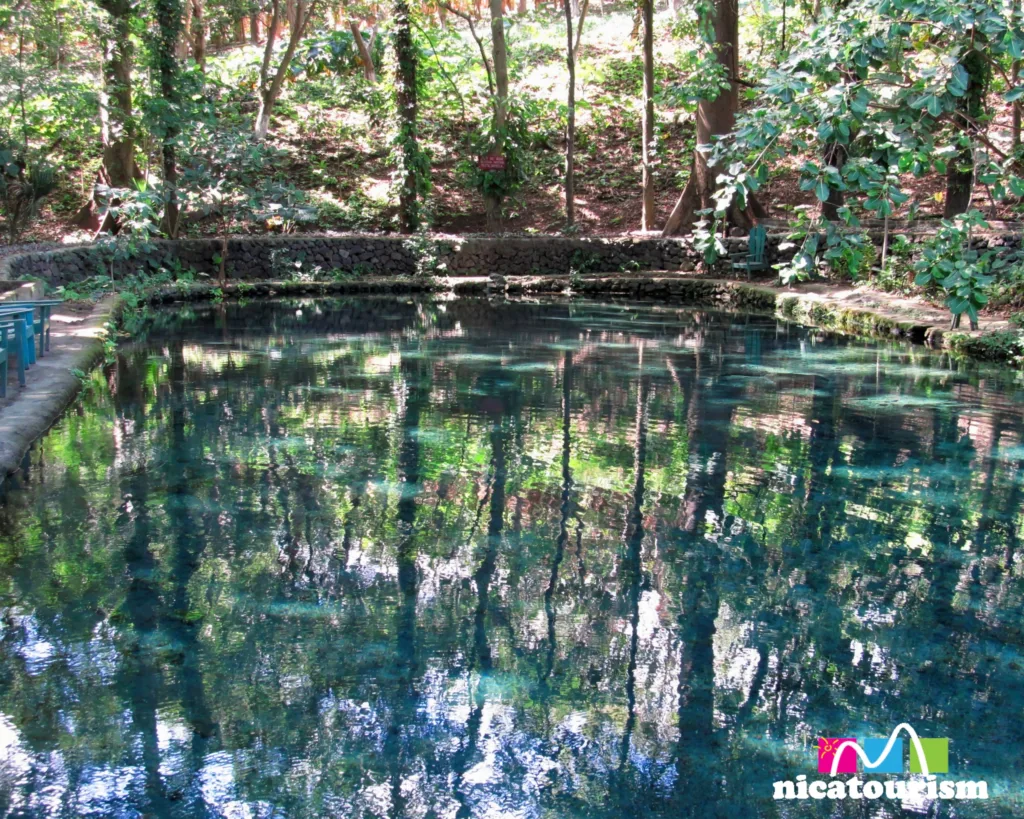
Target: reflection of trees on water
point(404, 562)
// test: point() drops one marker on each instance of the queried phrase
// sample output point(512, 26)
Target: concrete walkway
point(76, 343)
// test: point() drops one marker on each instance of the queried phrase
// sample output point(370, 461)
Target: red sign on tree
point(491, 163)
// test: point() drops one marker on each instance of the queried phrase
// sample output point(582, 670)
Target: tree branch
point(479, 42)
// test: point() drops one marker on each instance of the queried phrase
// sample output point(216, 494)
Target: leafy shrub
point(965, 273)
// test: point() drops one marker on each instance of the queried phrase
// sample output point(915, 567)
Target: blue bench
point(12, 333)
point(42, 321)
point(27, 317)
point(21, 322)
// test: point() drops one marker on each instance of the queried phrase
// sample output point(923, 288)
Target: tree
point(716, 116)
point(270, 86)
point(195, 31)
point(499, 56)
point(168, 18)
point(365, 49)
point(969, 111)
point(407, 139)
point(647, 128)
point(117, 122)
point(570, 119)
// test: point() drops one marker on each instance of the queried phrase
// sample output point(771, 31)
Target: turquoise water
point(447, 559)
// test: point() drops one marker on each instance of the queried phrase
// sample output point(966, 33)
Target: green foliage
point(333, 52)
point(517, 140)
point(1002, 345)
point(822, 248)
point(964, 272)
point(707, 237)
point(583, 261)
point(895, 276)
point(229, 174)
point(429, 261)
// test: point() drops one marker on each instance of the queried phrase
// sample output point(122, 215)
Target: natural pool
point(428, 559)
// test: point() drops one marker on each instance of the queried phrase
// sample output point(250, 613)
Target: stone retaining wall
point(261, 258)
point(320, 257)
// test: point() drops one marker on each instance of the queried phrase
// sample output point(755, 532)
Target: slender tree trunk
point(783, 28)
point(570, 124)
point(647, 152)
point(254, 27)
point(1015, 67)
point(270, 87)
point(365, 53)
point(584, 6)
point(522, 8)
point(263, 114)
point(185, 38)
point(499, 57)
point(168, 16)
point(198, 34)
point(1015, 127)
point(715, 118)
point(407, 104)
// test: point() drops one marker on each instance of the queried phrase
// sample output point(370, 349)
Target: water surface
point(447, 559)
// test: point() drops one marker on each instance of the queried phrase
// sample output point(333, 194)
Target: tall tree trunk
point(198, 34)
point(1015, 67)
point(970, 108)
point(118, 122)
point(407, 104)
point(499, 57)
point(365, 51)
point(185, 38)
point(254, 27)
point(168, 17)
point(270, 87)
point(570, 123)
point(647, 128)
point(715, 118)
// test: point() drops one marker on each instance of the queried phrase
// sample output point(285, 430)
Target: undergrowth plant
point(950, 261)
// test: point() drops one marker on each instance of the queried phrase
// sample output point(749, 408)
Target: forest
point(857, 127)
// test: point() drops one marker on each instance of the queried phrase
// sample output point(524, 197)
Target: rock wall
point(324, 257)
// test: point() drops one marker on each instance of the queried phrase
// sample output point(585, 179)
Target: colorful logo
point(851, 756)
point(841, 755)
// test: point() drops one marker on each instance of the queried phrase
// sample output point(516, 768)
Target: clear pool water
point(447, 559)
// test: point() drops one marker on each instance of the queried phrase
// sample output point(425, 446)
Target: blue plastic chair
point(756, 258)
